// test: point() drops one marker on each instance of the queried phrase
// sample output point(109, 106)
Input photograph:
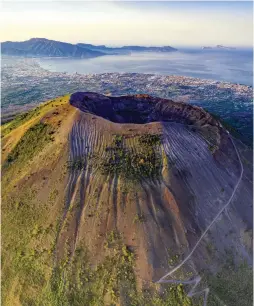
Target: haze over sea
point(235, 66)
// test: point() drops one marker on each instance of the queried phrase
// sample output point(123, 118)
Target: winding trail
point(195, 281)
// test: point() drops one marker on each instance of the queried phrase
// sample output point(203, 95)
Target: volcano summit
point(125, 201)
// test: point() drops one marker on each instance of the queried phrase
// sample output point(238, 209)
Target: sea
point(234, 66)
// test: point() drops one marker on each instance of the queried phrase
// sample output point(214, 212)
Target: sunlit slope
point(34, 154)
point(96, 210)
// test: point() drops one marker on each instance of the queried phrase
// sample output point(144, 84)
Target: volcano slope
point(130, 200)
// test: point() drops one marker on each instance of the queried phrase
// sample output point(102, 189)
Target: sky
point(117, 23)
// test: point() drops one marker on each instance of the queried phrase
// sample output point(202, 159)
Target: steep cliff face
point(144, 190)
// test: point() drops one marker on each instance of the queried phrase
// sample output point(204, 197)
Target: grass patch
point(111, 282)
point(232, 285)
point(31, 143)
point(76, 164)
point(139, 218)
point(22, 118)
point(80, 284)
point(144, 162)
point(27, 244)
point(173, 260)
point(19, 120)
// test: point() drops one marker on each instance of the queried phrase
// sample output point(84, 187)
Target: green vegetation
point(29, 237)
point(226, 124)
point(139, 218)
point(112, 281)
point(210, 248)
point(31, 143)
point(19, 120)
point(173, 260)
point(76, 164)
point(117, 140)
point(37, 112)
point(27, 246)
point(144, 162)
point(150, 140)
point(232, 285)
point(212, 148)
point(75, 281)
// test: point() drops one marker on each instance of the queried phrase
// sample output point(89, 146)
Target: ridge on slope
point(133, 182)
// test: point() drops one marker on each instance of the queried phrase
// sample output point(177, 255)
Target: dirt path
point(197, 279)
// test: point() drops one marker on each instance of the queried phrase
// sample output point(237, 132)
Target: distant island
point(218, 47)
point(42, 47)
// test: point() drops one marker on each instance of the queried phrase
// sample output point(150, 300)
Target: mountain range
point(42, 47)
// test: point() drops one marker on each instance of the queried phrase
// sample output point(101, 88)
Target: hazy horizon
point(137, 44)
point(177, 24)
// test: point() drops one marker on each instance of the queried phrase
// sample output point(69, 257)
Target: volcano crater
point(140, 109)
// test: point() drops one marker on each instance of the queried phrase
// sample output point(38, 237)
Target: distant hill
point(48, 48)
point(52, 48)
point(127, 49)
